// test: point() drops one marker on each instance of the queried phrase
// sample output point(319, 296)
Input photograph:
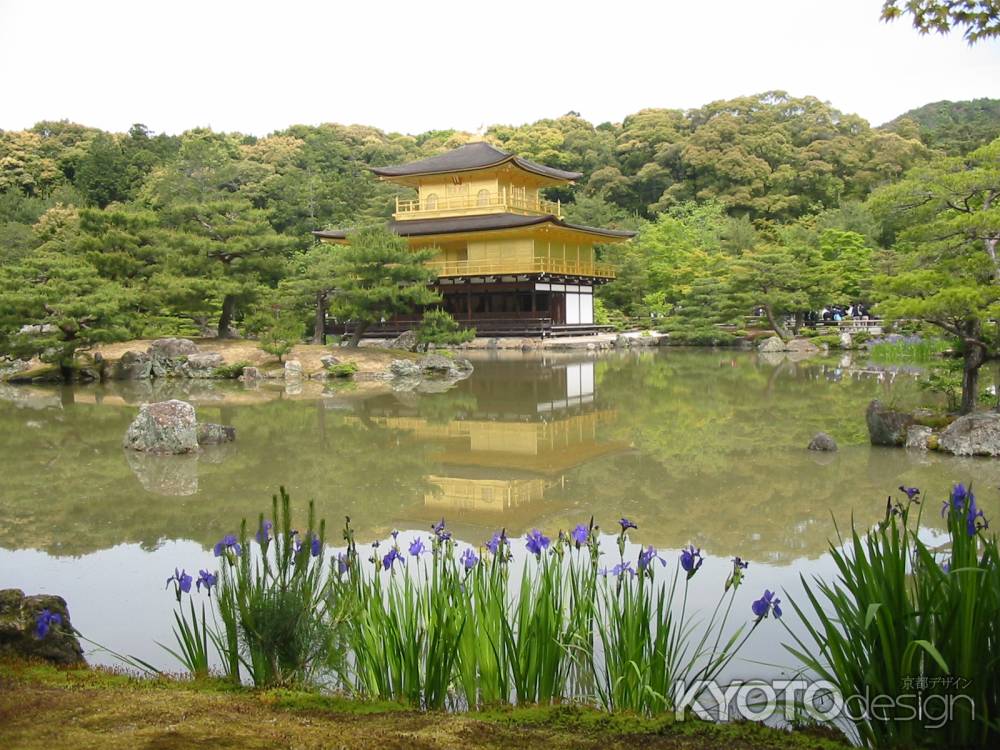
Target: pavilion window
point(431, 201)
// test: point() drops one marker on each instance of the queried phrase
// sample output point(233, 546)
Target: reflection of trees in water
point(720, 455)
point(714, 454)
point(69, 487)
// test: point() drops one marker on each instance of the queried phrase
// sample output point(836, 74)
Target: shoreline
point(42, 706)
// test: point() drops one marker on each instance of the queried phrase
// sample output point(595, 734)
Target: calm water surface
point(696, 447)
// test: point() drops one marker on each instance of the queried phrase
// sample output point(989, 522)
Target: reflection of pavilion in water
point(514, 435)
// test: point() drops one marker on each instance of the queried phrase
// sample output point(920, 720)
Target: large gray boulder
point(887, 426)
point(972, 435)
point(202, 365)
point(801, 346)
point(436, 363)
point(846, 340)
point(172, 348)
point(37, 627)
point(163, 427)
point(11, 366)
point(822, 442)
point(170, 355)
point(407, 341)
point(918, 436)
point(133, 366)
point(404, 368)
point(773, 344)
point(293, 370)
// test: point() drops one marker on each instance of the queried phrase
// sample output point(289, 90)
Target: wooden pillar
point(468, 302)
point(534, 307)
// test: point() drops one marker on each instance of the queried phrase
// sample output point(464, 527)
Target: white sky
point(257, 66)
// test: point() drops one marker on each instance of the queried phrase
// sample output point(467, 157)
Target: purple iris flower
point(264, 532)
point(495, 542)
point(227, 543)
point(974, 513)
point(768, 603)
point(957, 500)
point(469, 558)
point(391, 558)
point(417, 547)
point(647, 556)
point(910, 492)
point(691, 560)
point(440, 531)
point(621, 568)
point(626, 525)
point(580, 535)
point(395, 533)
point(342, 563)
point(315, 544)
point(182, 582)
point(536, 542)
point(206, 579)
point(44, 622)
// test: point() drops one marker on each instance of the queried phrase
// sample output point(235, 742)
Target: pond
point(696, 447)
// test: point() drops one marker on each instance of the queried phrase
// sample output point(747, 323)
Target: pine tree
point(226, 253)
point(377, 277)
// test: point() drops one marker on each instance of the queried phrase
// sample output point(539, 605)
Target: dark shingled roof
point(479, 155)
point(485, 222)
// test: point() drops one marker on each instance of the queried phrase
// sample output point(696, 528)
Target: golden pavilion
point(506, 261)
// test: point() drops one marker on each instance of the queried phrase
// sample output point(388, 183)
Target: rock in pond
point(404, 368)
point(773, 344)
point(210, 433)
point(293, 370)
point(164, 427)
point(972, 435)
point(133, 366)
point(886, 426)
point(846, 340)
point(918, 437)
point(822, 442)
point(202, 365)
point(37, 626)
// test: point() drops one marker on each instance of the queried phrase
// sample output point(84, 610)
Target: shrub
point(438, 327)
point(231, 371)
point(831, 340)
point(341, 370)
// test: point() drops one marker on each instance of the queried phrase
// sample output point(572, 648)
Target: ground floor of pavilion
point(507, 307)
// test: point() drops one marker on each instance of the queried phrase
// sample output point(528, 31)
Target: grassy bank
point(43, 706)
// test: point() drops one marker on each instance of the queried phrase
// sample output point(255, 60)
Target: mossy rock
point(38, 374)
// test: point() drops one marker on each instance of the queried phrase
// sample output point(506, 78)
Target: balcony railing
point(502, 202)
point(517, 266)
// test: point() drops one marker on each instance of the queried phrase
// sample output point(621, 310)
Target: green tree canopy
point(947, 219)
point(377, 277)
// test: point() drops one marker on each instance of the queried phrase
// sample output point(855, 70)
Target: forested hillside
point(111, 235)
point(953, 127)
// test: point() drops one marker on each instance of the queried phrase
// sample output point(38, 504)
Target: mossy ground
point(44, 707)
